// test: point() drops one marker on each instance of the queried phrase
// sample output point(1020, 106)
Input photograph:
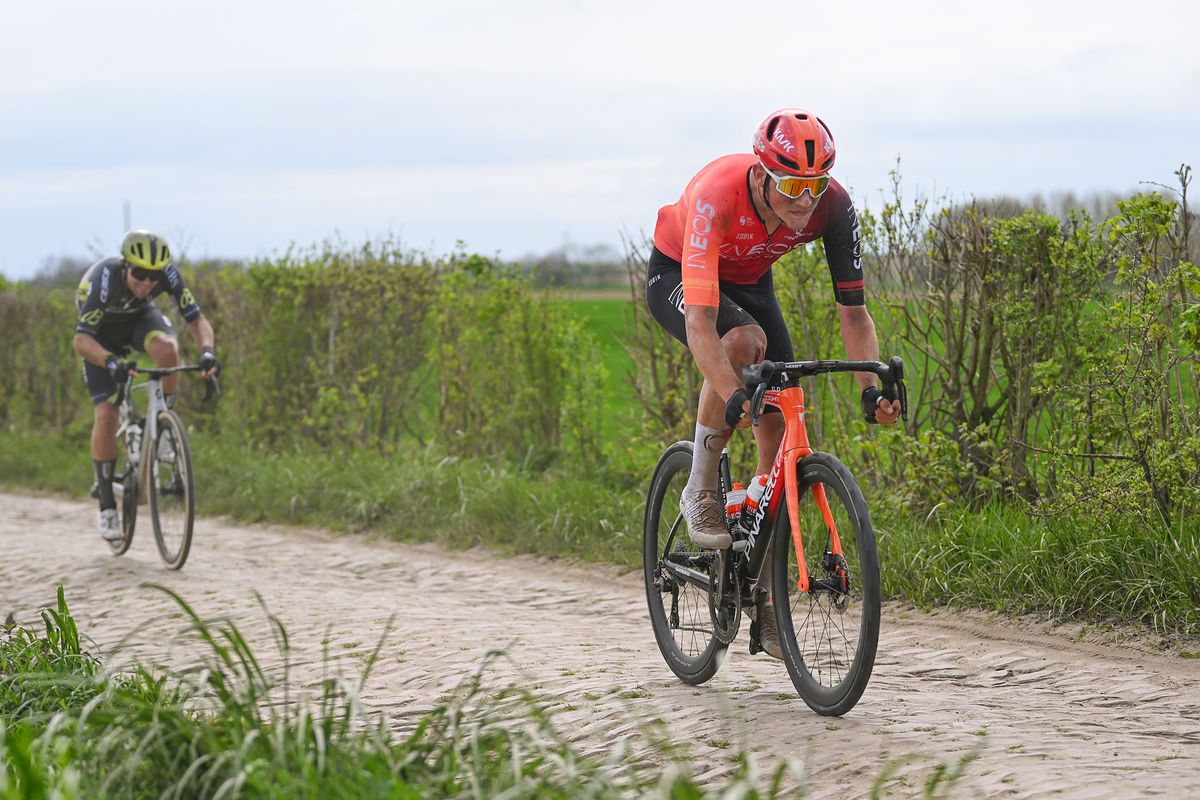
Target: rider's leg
point(104, 462)
point(768, 436)
point(743, 345)
point(104, 427)
point(104, 450)
point(164, 350)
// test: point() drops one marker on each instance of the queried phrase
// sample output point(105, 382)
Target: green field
point(606, 319)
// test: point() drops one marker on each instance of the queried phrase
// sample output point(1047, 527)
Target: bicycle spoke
point(677, 575)
point(833, 632)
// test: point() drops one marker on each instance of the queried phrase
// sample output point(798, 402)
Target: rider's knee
point(163, 349)
point(106, 415)
point(745, 344)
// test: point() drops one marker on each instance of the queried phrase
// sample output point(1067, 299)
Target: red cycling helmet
point(796, 142)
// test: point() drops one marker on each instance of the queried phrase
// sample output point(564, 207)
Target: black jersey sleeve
point(185, 301)
point(93, 291)
point(843, 250)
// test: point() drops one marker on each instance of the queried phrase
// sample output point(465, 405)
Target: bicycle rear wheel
point(830, 633)
point(172, 490)
point(128, 508)
point(679, 609)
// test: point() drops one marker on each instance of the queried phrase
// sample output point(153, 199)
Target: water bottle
point(733, 501)
point(133, 442)
point(758, 485)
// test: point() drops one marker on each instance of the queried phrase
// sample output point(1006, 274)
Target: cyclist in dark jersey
point(117, 313)
point(709, 284)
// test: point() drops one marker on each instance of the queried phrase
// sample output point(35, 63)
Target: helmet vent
point(153, 252)
point(787, 162)
point(826, 164)
point(771, 128)
point(802, 117)
point(810, 150)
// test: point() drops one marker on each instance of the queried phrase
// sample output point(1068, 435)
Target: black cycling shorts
point(120, 338)
point(741, 304)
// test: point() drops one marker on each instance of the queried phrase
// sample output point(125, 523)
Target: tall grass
point(1125, 569)
point(230, 728)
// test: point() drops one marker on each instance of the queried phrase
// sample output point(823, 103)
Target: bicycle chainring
point(724, 610)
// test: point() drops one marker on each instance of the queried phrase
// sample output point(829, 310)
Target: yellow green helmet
point(141, 248)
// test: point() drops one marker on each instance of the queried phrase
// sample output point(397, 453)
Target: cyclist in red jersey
point(709, 284)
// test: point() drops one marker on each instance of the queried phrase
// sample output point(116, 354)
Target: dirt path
point(1044, 716)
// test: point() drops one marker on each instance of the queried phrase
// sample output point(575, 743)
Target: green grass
point(605, 319)
point(419, 495)
point(1125, 570)
point(228, 727)
point(219, 730)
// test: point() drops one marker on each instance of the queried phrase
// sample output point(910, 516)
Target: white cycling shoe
point(705, 519)
point(110, 526)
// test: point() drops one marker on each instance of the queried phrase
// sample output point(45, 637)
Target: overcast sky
point(236, 128)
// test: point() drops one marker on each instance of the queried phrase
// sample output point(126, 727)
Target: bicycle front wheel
point(172, 490)
point(829, 633)
point(676, 572)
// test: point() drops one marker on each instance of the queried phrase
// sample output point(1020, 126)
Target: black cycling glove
point(208, 361)
point(870, 402)
point(733, 409)
point(118, 369)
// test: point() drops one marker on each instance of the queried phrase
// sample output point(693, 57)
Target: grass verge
point(68, 729)
point(1122, 570)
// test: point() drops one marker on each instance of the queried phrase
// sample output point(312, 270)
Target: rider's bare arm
point(708, 352)
point(858, 333)
point(202, 331)
point(89, 349)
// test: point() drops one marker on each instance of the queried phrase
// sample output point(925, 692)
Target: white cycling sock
point(706, 456)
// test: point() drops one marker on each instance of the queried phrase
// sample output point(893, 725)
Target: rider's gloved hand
point(208, 363)
point(880, 407)
point(118, 369)
point(870, 403)
point(735, 408)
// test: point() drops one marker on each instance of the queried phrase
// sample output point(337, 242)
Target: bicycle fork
point(794, 449)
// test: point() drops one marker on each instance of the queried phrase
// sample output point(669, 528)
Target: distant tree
point(60, 271)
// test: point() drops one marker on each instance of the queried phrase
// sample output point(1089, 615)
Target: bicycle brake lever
point(212, 389)
point(756, 403)
point(894, 389)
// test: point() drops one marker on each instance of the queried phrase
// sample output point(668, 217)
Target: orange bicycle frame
point(794, 448)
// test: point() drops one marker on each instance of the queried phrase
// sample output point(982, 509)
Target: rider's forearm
point(858, 333)
point(708, 351)
point(202, 331)
point(89, 349)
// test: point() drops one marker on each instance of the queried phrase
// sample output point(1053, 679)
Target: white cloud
point(575, 118)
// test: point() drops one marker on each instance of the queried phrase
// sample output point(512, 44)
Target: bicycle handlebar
point(759, 377)
point(157, 373)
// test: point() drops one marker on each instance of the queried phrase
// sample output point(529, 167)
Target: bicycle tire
point(128, 509)
point(176, 499)
point(829, 651)
point(688, 644)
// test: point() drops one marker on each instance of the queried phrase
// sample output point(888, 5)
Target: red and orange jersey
point(716, 234)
